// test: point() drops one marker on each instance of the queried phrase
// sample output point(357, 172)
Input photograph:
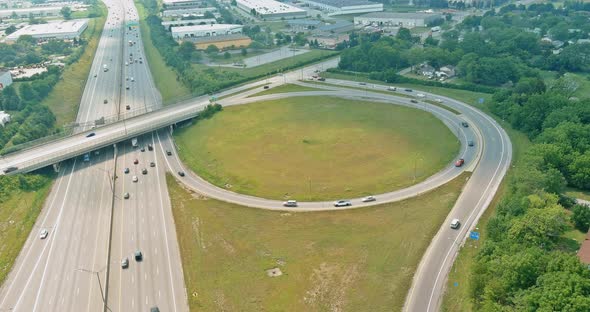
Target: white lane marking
point(50, 245)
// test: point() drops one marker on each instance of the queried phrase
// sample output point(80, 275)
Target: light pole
point(106, 307)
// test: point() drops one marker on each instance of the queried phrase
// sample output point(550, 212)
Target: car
point(126, 64)
point(438, 100)
point(126, 195)
point(413, 101)
point(127, 78)
point(342, 203)
point(368, 199)
point(464, 124)
point(91, 134)
point(135, 179)
point(97, 153)
point(126, 170)
point(150, 147)
point(266, 87)
point(142, 149)
point(43, 234)
point(86, 157)
point(455, 224)
point(363, 83)
point(290, 203)
point(154, 309)
point(95, 75)
point(127, 87)
point(125, 263)
point(132, 79)
point(152, 164)
point(181, 173)
point(321, 79)
point(392, 88)
point(459, 162)
point(168, 152)
point(135, 162)
point(144, 171)
point(408, 90)
point(127, 107)
point(140, 62)
point(138, 256)
point(10, 169)
point(470, 143)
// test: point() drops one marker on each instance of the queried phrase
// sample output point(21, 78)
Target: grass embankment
point(18, 212)
point(355, 260)
point(164, 77)
point(575, 193)
point(65, 97)
point(286, 88)
point(317, 148)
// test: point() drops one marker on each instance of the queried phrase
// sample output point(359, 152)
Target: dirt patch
point(274, 272)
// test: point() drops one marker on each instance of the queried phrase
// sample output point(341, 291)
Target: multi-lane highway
point(69, 270)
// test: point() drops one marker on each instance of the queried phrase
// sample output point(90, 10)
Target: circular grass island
point(316, 148)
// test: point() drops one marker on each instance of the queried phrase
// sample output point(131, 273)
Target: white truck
point(134, 142)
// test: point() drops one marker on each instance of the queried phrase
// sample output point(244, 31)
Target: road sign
point(480, 100)
point(474, 235)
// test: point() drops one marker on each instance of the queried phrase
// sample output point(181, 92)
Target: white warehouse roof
point(205, 30)
point(57, 29)
point(265, 7)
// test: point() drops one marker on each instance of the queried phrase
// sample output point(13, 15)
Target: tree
point(66, 12)
point(186, 50)
point(212, 49)
point(226, 55)
point(244, 52)
point(430, 41)
point(581, 217)
point(10, 30)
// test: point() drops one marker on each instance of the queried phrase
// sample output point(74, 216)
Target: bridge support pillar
point(56, 167)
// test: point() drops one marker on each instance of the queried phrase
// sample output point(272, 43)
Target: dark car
point(413, 101)
point(143, 148)
point(10, 169)
point(150, 147)
point(168, 152)
point(470, 143)
point(154, 309)
point(464, 124)
point(321, 79)
point(181, 173)
point(144, 171)
point(91, 134)
point(127, 107)
point(136, 162)
point(152, 164)
point(126, 170)
point(138, 256)
point(266, 87)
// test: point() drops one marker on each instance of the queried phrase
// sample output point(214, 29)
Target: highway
point(68, 270)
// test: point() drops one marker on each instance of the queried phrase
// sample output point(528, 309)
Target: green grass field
point(18, 214)
point(285, 89)
point(355, 260)
point(164, 77)
point(317, 148)
point(65, 97)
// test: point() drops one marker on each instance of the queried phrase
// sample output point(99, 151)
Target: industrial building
point(177, 4)
point(195, 31)
point(303, 25)
point(52, 30)
point(341, 7)
point(188, 12)
point(270, 9)
point(221, 42)
point(201, 21)
point(407, 20)
point(5, 79)
point(32, 11)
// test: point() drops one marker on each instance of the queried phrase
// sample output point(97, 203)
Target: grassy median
point(355, 260)
point(65, 97)
point(317, 148)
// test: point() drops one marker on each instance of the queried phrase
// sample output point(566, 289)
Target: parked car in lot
point(459, 162)
point(342, 203)
point(290, 203)
point(43, 234)
point(369, 199)
point(455, 224)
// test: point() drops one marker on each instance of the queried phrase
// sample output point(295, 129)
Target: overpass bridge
point(80, 143)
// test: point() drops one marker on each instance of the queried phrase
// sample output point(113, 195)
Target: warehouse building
point(221, 42)
point(303, 25)
point(178, 4)
point(32, 11)
point(201, 21)
point(188, 12)
point(195, 31)
point(407, 20)
point(52, 30)
point(5, 79)
point(341, 7)
point(270, 9)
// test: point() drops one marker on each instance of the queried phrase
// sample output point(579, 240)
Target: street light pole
point(106, 307)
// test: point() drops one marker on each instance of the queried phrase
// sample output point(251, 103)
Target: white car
point(342, 203)
point(43, 234)
point(290, 203)
point(369, 199)
point(438, 100)
point(135, 179)
point(455, 224)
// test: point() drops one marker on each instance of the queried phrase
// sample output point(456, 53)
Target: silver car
point(342, 203)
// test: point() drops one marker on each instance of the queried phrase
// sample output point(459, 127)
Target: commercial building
point(176, 4)
point(338, 27)
point(270, 9)
point(195, 31)
point(188, 12)
point(4, 118)
point(32, 11)
point(200, 21)
point(221, 42)
point(341, 7)
point(52, 30)
point(5, 79)
point(303, 25)
point(407, 20)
